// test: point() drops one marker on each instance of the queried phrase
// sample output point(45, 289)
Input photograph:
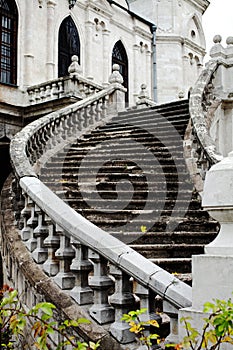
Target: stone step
point(174, 265)
point(153, 251)
point(166, 237)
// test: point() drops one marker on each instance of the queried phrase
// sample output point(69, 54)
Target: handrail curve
point(65, 227)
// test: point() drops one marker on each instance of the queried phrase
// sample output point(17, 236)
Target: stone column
point(28, 51)
point(50, 40)
point(136, 82)
point(106, 63)
point(148, 70)
point(88, 64)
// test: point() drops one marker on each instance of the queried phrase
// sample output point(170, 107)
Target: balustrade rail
point(200, 147)
point(70, 86)
point(68, 247)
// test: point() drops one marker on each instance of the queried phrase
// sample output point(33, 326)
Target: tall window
point(68, 45)
point(119, 56)
point(8, 41)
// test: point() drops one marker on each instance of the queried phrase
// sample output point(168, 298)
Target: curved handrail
point(38, 138)
point(19, 144)
point(198, 116)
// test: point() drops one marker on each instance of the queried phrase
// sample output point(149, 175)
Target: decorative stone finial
point(217, 39)
point(74, 68)
point(116, 77)
point(143, 93)
point(229, 40)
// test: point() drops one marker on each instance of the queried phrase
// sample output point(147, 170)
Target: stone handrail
point(69, 247)
point(198, 144)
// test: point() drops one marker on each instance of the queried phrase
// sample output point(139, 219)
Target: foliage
point(13, 320)
point(217, 328)
point(139, 327)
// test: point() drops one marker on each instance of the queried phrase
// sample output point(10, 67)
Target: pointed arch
point(119, 56)
point(195, 29)
point(8, 41)
point(68, 45)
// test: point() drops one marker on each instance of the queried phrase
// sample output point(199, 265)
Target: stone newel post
point(213, 271)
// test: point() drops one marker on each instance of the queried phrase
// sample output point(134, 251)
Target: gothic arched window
point(68, 45)
point(119, 56)
point(8, 41)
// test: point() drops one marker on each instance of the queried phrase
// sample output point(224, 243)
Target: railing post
point(117, 99)
point(40, 254)
point(81, 267)
point(64, 279)
point(101, 311)
point(123, 302)
point(51, 265)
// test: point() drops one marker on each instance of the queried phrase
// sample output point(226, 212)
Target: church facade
point(159, 43)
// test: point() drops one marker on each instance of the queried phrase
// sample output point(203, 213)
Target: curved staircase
point(129, 177)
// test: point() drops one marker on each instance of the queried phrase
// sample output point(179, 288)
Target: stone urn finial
point(217, 39)
point(74, 68)
point(116, 77)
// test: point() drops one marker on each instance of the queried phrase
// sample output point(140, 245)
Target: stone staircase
point(129, 177)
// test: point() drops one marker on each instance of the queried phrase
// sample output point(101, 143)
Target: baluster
point(52, 242)
point(37, 95)
point(42, 93)
point(104, 107)
point(40, 254)
point(89, 117)
point(48, 92)
point(31, 96)
point(25, 213)
point(80, 119)
point(98, 111)
point(92, 113)
point(65, 278)
point(101, 311)
point(81, 267)
point(60, 88)
point(172, 312)
point(85, 117)
point(147, 301)
point(18, 202)
point(123, 301)
point(32, 223)
point(54, 90)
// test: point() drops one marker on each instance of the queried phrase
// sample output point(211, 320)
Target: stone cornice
point(200, 4)
point(180, 39)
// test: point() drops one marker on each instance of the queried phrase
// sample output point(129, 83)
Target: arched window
point(8, 41)
point(119, 56)
point(68, 45)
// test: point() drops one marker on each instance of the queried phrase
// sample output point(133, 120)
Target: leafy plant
point(217, 328)
point(13, 321)
point(140, 327)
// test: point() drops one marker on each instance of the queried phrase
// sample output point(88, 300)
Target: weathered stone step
point(166, 237)
point(174, 265)
point(152, 251)
point(158, 126)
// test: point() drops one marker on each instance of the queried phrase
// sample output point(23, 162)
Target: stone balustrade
point(66, 246)
point(200, 148)
point(73, 85)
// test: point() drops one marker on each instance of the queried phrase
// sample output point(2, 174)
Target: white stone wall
point(180, 43)
point(99, 26)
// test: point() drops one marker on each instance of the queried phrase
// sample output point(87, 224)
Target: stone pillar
point(50, 39)
point(213, 271)
point(105, 56)
point(88, 64)
point(136, 82)
point(28, 53)
point(148, 70)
